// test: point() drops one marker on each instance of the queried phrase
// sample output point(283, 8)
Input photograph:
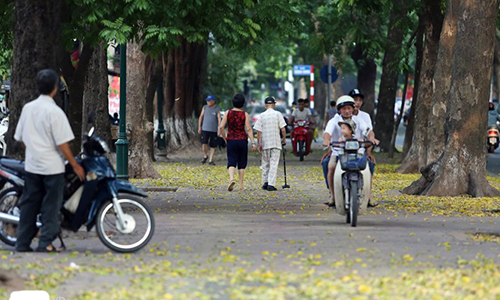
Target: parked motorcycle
point(353, 176)
point(124, 223)
point(492, 138)
point(4, 127)
point(301, 139)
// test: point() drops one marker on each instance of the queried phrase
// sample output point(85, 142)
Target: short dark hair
point(306, 100)
point(46, 81)
point(238, 100)
point(332, 103)
point(301, 100)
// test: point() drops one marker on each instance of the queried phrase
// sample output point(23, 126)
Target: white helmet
point(345, 100)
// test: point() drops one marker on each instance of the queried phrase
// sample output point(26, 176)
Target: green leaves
point(117, 31)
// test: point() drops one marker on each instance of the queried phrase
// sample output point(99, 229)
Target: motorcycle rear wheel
point(9, 200)
point(301, 147)
point(491, 148)
point(136, 211)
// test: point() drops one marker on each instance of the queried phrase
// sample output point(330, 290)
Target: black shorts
point(237, 153)
point(210, 138)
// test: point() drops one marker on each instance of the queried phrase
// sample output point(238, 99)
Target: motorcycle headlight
point(351, 145)
point(301, 123)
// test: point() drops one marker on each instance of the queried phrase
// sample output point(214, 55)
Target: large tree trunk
point(95, 96)
point(419, 47)
point(442, 83)
point(141, 128)
point(37, 34)
point(184, 74)
point(384, 119)
point(367, 75)
point(462, 166)
point(417, 155)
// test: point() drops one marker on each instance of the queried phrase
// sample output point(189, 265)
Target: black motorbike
point(124, 223)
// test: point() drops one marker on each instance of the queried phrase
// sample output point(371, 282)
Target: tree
point(140, 126)
point(417, 155)
point(34, 40)
point(385, 111)
point(442, 83)
point(95, 95)
point(461, 167)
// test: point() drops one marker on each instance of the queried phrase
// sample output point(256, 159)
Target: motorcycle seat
point(13, 164)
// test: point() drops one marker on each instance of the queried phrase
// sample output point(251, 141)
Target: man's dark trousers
point(42, 194)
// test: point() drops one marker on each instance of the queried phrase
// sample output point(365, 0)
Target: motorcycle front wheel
point(353, 211)
point(139, 221)
point(301, 148)
point(9, 200)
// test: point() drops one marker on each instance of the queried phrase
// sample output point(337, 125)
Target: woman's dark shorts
point(237, 153)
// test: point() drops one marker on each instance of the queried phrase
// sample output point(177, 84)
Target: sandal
point(52, 249)
point(231, 186)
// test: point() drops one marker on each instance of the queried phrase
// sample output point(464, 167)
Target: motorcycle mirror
point(91, 132)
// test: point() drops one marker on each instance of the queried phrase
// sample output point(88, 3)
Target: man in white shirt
point(304, 113)
point(269, 142)
point(345, 105)
point(44, 130)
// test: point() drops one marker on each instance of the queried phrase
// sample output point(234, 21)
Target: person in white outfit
point(268, 127)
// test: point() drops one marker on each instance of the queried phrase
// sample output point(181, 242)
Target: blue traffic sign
point(323, 74)
point(301, 70)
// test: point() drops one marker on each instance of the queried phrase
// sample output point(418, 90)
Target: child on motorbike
point(347, 128)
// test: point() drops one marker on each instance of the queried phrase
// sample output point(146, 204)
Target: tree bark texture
point(95, 95)
point(367, 75)
point(442, 82)
point(184, 75)
point(384, 120)
point(417, 154)
point(462, 166)
point(153, 79)
point(37, 34)
point(140, 127)
point(419, 47)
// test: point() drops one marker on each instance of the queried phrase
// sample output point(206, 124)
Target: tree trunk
point(153, 79)
point(497, 67)
point(392, 147)
point(367, 75)
point(384, 119)
point(184, 74)
point(95, 96)
point(75, 78)
point(417, 155)
point(141, 128)
point(419, 46)
point(462, 166)
point(442, 82)
point(37, 33)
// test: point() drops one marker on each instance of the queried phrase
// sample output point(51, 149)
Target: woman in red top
point(237, 121)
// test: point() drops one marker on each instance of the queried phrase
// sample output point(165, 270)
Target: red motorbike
point(492, 140)
point(301, 139)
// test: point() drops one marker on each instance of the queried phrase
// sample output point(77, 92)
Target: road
point(254, 244)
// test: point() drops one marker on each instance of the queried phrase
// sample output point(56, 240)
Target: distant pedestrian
point(208, 127)
point(332, 111)
point(269, 142)
point(238, 132)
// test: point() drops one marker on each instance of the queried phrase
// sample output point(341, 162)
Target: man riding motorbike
point(345, 106)
point(303, 113)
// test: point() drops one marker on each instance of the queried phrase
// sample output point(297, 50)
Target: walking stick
point(286, 186)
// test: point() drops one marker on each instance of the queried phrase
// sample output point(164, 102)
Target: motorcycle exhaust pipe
point(9, 218)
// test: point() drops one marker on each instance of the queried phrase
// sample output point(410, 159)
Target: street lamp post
point(122, 143)
point(161, 129)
